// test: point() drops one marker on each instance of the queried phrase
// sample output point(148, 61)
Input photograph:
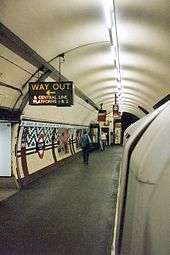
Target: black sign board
point(51, 93)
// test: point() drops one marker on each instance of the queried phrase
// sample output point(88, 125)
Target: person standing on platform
point(103, 141)
point(85, 142)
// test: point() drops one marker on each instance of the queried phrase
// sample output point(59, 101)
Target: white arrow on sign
point(50, 92)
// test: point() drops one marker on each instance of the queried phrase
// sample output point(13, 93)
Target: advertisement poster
point(71, 140)
point(62, 141)
point(78, 135)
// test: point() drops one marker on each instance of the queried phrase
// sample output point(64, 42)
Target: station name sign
point(51, 93)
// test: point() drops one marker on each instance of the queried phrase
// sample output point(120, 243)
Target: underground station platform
point(70, 211)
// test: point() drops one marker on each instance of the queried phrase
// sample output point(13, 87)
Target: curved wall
point(41, 145)
point(80, 113)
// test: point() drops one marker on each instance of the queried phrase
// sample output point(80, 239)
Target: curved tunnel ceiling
point(79, 29)
point(144, 53)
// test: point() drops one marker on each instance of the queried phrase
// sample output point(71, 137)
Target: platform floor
point(68, 212)
point(8, 187)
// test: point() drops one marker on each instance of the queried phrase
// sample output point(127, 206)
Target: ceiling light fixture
point(108, 8)
point(111, 23)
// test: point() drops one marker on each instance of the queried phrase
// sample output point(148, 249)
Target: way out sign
point(51, 93)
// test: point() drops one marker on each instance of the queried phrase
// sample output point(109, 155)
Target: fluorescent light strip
point(113, 36)
point(119, 85)
point(108, 8)
point(113, 52)
point(110, 17)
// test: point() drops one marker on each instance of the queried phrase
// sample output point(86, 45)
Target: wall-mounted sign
point(102, 115)
point(51, 93)
point(33, 123)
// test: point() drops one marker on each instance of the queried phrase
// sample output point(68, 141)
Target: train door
point(5, 149)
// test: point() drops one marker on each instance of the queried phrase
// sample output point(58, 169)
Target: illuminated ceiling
point(121, 48)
